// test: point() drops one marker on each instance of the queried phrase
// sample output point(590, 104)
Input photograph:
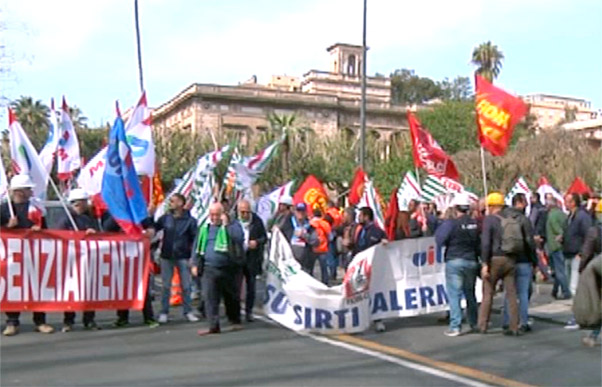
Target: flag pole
point(417, 176)
point(484, 172)
point(62, 200)
point(10, 205)
point(138, 46)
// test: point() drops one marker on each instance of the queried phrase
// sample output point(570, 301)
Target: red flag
point(579, 186)
point(357, 186)
point(427, 152)
point(497, 114)
point(312, 193)
point(391, 216)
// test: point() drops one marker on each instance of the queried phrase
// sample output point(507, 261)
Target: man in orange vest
point(323, 230)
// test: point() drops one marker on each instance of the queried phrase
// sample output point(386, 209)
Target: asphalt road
point(413, 352)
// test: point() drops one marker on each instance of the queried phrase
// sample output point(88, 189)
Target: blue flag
point(120, 186)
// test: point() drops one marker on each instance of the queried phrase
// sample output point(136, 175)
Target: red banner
point(497, 114)
point(55, 271)
point(427, 152)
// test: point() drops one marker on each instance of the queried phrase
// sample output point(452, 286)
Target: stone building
point(551, 110)
point(326, 102)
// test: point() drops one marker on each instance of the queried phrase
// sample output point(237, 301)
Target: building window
point(351, 65)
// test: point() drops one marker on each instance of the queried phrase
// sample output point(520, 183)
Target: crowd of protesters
point(485, 239)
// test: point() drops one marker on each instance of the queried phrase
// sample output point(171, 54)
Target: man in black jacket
point(21, 192)
point(179, 236)
point(255, 239)
point(84, 222)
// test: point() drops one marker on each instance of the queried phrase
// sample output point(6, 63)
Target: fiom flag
point(427, 152)
point(312, 193)
point(120, 186)
point(68, 159)
point(54, 134)
point(579, 186)
point(357, 186)
point(497, 114)
point(24, 158)
point(140, 138)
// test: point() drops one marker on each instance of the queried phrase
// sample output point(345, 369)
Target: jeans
point(460, 278)
point(323, 259)
point(572, 271)
point(560, 278)
point(333, 260)
point(12, 318)
point(167, 268)
point(523, 278)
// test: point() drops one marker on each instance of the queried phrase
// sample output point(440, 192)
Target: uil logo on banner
point(357, 277)
point(430, 257)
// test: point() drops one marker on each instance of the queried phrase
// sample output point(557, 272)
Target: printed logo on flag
point(357, 278)
point(315, 198)
point(430, 257)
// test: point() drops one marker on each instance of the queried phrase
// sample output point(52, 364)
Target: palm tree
point(489, 59)
point(33, 116)
point(79, 120)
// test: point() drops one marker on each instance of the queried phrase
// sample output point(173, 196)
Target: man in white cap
point(21, 192)
point(80, 212)
point(283, 213)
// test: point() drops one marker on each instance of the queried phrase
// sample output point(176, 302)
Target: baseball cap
point(301, 207)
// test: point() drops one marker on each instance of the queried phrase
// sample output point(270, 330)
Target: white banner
point(400, 279)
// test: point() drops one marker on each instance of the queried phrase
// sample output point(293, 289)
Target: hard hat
point(461, 200)
point(286, 200)
point(78, 194)
point(599, 206)
point(21, 181)
point(495, 199)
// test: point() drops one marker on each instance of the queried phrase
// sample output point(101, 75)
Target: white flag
point(24, 158)
point(204, 182)
point(520, 187)
point(90, 176)
point(268, 204)
point(409, 190)
point(67, 154)
point(140, 137)
point(371, 199)
point(54, 134)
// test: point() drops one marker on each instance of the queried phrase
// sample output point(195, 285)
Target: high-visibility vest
point(323, 230)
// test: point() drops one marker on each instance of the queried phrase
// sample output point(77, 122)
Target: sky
point(86, 50)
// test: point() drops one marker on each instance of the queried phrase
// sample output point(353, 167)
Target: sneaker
point(452, 333)
point(151, 323)
point(44, 328)
point(67, 328)
point(92, 326)
point(525, 328)
point(163, 318)
point(119, 323)
point(512, 333)
point(571, 324)
point(236, 327)
point(10, 330)
point(211, 331)
point(379, 326)
point(191, 317)
point(589, 341)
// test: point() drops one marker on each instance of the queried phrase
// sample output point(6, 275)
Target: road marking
point(449, 371)
point(431, 363)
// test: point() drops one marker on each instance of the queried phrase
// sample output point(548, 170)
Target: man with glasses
point(255, 239)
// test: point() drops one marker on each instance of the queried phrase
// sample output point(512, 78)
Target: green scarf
point(221, 240)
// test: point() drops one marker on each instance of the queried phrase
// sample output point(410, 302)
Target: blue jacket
point(179, 235)
point(460, 238)
point(578, 223)
point(369, 235)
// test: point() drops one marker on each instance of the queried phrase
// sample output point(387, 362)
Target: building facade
point(326, 102)
point(552, 110)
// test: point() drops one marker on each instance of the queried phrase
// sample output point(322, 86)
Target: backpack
point(513, 241)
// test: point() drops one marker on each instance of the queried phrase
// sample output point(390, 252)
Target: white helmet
point(286, 200)
point(78, 194)
point(21, 181)
point(461, 200)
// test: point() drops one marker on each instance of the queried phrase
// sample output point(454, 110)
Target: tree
point(407, 88)
point(79, 120)
point(33, 116)
point(459, 89)
point(489, 59)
